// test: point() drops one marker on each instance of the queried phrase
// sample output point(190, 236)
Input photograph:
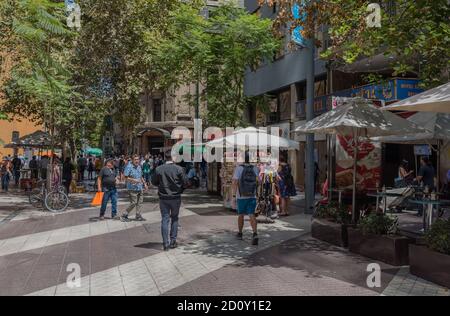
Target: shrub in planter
point(330, 224)
point(378, 224)
point(432, 262)
point(376, 237)
point(334, 213)
point(438, 237)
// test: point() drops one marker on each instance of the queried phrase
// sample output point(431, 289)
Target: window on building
point(157, 114)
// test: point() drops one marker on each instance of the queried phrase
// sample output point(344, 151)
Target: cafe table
point(381, 195)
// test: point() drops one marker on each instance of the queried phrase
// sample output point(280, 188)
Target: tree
point(216, 52)
point(415, 33)
point(40, 84)
point(114, 53)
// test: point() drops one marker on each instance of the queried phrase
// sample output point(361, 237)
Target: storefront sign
point(422, 150)
point(391, 91)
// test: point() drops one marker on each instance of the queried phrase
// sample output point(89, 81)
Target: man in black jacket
point(171, 181)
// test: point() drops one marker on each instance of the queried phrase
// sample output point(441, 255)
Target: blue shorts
point(246, 206)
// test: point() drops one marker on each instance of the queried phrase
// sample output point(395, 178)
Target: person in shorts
point(245, 181)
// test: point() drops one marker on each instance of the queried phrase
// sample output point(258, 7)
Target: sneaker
point(115, 218)
point(101, 218)
point(124, 218)
point(173, 244)
point(255, 240)
point(139, 218)
point(165, 248)
point(239, 236)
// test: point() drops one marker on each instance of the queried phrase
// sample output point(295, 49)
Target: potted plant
point(432, 260)
point(376, 237)
point(330, 224)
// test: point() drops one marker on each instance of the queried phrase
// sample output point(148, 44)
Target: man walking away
point(67, 174)
point(170, 180)
point(34, 167)
point(45, 161)
point(106, 183)
point(82, 163)
point(245, 180)
point(135, 185)
point(17, 165)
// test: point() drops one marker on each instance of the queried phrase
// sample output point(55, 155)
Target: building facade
point(163, 111)
point(284, 80)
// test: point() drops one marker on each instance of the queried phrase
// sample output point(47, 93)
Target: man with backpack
point(245, 180)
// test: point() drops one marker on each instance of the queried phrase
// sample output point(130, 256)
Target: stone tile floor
point(126, 259)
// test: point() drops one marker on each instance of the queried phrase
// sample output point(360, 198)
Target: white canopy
point(433, 100)
point(436, 124)
point(254, 138)
point(358, 117)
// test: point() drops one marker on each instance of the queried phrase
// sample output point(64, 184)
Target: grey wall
point(288, 70)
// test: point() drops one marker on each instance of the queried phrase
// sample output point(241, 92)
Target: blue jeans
point(170, 209)
point(5, 182)
point(109, 195)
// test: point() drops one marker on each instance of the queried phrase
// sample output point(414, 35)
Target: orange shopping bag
point(97, 201)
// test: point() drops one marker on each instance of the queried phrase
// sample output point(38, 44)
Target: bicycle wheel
point(35, 198)
point(56, 201)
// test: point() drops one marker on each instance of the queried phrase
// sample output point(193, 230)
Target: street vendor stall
point(40, 141)
point(258, 141)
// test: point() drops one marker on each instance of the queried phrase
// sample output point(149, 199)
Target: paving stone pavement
point(126, 258)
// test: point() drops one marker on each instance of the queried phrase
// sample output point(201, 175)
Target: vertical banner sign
point(299, 13)
point(368, 161)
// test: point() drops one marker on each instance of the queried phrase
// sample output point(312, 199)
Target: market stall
point(258, 141)
point(39, 141)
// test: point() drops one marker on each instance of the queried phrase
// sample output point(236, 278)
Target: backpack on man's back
point(247, 181)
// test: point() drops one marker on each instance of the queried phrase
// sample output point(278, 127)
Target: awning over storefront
point(164, 132)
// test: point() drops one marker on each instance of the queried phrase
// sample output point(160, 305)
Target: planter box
point(430, 265)
point(393, 250)
point(330, 232)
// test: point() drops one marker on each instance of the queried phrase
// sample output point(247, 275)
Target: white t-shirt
point(237, 175)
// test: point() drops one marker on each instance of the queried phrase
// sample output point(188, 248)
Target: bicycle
point(54, 201)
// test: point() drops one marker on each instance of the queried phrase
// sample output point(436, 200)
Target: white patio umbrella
point(358, 118)
point(433, 100)
point(254, 138)
point(436, 124)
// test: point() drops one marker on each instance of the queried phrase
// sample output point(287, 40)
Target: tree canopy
point(216, 51)
point(415, 33)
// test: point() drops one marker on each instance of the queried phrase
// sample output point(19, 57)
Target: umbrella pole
point(355, 169)
point(438, 187)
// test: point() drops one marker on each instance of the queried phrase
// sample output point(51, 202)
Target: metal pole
point(310, 168)
point(355, 170)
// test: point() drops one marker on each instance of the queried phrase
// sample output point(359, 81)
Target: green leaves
point(438, 237)
point(217, 52)
point(417, 33)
